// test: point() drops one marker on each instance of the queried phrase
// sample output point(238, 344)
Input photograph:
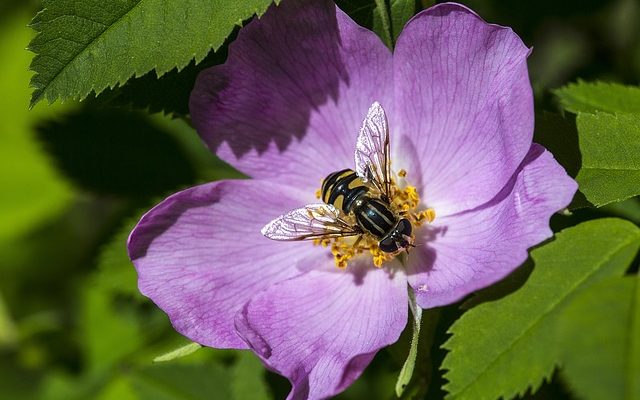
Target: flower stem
point(407, 369)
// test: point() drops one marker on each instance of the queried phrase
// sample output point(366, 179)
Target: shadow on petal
point(281, 68)
point(162, 217)
point(288, 103)
point(483, 245)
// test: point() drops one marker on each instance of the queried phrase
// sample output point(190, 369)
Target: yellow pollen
point(344, 249)
point(405, 203)
point(322, 242)
point(425, 215)
point(318, 194)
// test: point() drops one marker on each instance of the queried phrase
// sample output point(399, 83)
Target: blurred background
point(75, 178)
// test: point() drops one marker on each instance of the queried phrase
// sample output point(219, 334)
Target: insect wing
point(313, 221)
point(372, 150)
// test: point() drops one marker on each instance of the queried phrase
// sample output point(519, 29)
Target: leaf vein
point(88, 44)
point(536, 321)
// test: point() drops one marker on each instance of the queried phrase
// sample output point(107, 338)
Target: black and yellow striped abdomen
point(342, 188)
point(347, 192)
point(375, 217)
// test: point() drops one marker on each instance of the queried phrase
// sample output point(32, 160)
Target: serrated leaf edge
point(40, 92)
point(566, 91)
point(533, 386)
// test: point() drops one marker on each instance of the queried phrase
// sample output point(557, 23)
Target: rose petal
point(290, 100)
point(322, 329)
point(476, 248)
point(464, 107)
point(200, 255)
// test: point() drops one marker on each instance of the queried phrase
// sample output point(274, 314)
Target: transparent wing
point(372, 150)
point(313, 221)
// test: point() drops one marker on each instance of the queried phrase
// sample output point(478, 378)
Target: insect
point(363, 196)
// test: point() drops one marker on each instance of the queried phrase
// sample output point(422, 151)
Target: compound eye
point(404, 227)
point(388, 245)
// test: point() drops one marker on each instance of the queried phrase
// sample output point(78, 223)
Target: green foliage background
point(76, 176)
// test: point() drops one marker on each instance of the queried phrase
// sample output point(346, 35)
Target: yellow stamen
point(406, 202)
point(322, 242)
point(346, 248)
point(379, 256)
point(318, 194)
point(425, 215)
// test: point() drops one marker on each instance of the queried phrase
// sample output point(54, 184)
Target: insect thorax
point(347, 192)
point(377, 217)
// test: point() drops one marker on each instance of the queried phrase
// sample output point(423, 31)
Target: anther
point(405, 203)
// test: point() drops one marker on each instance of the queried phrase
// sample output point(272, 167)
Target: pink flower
point(286, 109)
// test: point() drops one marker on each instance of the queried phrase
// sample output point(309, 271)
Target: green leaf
point(150, 161)
point(208, 166)
point(401, 12)
point(248, 378)
point(33, 190)
point(182, 382)
point(610, 145)
point(504, 347)
point(584, 97)
point(559, 134)
point(168, 94)
point(600, 339)
point(116, 273)
point(179, 352)
point(507, 285)
point(17, 383)
point(629, 209)
point(407, 368)
point(95, 44)
point(108, 335)
point(117, 389)
point(8, 332)
point(389, 17)
point(609, 135)
point(382, 23)
point(61, 385)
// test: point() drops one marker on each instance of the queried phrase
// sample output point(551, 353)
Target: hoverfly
point(363, 196)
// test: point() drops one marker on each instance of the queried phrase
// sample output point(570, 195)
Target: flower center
point(405, 204)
